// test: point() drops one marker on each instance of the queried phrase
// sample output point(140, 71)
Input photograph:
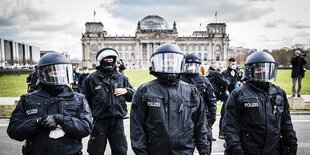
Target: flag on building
point(94, 13)
point(215, 13)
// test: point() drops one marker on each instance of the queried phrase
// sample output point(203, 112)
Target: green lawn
point(15, 85)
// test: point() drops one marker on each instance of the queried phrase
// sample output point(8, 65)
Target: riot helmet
point(106, 58)
point(260, 67)
point(192, 64)
point(167, 63)
point(55, 69)
point(168, 58)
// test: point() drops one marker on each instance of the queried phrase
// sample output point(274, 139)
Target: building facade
point(152, 31)
point(17, 54)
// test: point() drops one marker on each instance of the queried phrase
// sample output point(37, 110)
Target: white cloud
point(57, 25)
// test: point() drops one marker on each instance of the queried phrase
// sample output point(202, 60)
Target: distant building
point(152, 31)
point(17, 54)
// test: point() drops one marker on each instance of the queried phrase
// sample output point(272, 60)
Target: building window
point(126, 56)
point(206, 47)
point(133, 48)
point(199, 47)
point(192, 47)
point(205, 56)
point(199, 56)
point(218, 47)
point(121, 55)
point(93, 57)
point(133, 56)
point(119, 47)
point(126, 47)
point(217, 57)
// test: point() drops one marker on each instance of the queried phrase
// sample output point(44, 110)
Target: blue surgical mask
point(233, 67)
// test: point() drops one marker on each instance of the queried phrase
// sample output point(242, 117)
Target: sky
point(58, 24)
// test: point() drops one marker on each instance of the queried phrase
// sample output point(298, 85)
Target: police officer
point(107, 91)
point(53, 119)
point(167, 115)
point(191, 75)
point(257, 119)
point(219, 84)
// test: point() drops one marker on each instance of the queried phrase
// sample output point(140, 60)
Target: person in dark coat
point(257, 120)
point(107, 91)
point(82, 77)
point(191, 76)
point(232, 74)
point(219, 84)
point(298, 72)
point(167, 115)
point(53, 119)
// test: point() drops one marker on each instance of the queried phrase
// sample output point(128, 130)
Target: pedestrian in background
point(53, 120)
point(121, 66)
point(82, 77)
point(76, 74)
point(219, 84)
point(167, 115)
point(232, 74)
point(298, 72)
point(107, 91)
point(257, 120)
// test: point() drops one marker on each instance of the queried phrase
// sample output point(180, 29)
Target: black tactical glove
point(59, 119)
point(234, 150)
point(47, 122)
point(292, 150)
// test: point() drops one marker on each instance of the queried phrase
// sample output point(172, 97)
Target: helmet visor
point(59, 74)
point(264, 72)
point(191, 68)
point(167, 62)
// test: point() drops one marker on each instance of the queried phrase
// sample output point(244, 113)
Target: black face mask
point(53, 90)
point(168, 78)
point(261, 85)
point(108, 65)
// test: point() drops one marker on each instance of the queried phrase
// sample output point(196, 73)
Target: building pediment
point(157, 36)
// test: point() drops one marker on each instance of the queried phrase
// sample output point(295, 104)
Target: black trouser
point(223, 98)
point(107, 129)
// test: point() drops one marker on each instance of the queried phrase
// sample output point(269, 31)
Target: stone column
point(2, 56)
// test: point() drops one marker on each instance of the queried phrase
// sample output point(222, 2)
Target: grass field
point(15, 85)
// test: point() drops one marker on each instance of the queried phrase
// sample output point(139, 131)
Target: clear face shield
point(264, 72)
point(58, 74)
point(168, 62)
point(191, 68)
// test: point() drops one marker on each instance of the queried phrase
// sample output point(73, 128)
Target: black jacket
point(206, 90)
point(219, 83)
point(77, 122)
point(232, 79)
point(167, 119)
point(298, 66)
point(255, 121)
point(99, 92)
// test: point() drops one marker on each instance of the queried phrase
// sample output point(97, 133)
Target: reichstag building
point(152, 31)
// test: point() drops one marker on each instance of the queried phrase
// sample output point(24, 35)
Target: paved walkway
point(11, 100)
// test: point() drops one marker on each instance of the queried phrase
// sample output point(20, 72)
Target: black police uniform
point(205, 88)
point(76, 125)
point(168, 119)
point(108, 111)
point(255, 121)
point(207, 93)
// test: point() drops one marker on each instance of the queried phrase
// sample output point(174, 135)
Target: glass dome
point(154, 22)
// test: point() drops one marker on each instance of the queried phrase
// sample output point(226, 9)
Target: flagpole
point(94, 16)
point(216, 17)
